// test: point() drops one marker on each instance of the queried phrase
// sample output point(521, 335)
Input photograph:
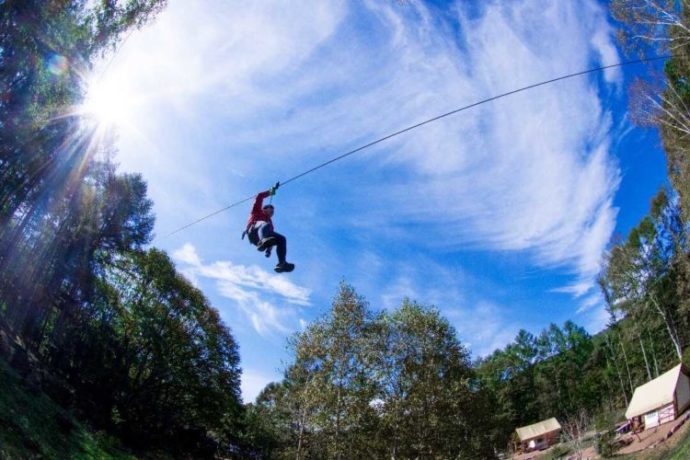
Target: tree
point(392, 385)
point(53, 186)
point(268, 423)
point(652, 25)
point(116, 332)
point(641, 272)
point(575, 430)
point(663, 27)
point(170, 369)
point(47, 47)
point(430, 405)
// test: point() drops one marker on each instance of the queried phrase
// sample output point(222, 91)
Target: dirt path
point(587, 454)
point(666, 435)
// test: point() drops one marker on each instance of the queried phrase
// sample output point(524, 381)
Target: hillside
point(33, 426)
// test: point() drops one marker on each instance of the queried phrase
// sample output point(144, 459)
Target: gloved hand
point(273, 189)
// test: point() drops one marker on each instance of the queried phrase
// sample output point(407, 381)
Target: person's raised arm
point(259, 201)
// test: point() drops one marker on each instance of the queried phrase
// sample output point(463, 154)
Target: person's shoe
point(266, 243)
point(284, 267)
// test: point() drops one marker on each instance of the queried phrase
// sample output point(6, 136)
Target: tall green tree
point(662, 27)
point(48, 47)
point(390, 385)
point(121, 337)
point(642, 272)
point(334, 353)
point(429, 403)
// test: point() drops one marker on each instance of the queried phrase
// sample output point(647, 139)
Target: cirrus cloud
point(262, 91)
point(254, 290)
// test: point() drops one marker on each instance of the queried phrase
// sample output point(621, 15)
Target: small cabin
point(660, 401)
point(538, 436)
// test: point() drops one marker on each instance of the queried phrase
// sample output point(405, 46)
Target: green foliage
point(606, 421)
point(130, 344)
point(563, 370)
point(268, 422)
point(169, 369)
point(605, 444)
point(117, 334)
point(663, 27)
point(398, 384)
point(534, 378)
point(47, 47)
point(558, 452)
point(32, 426)
point(681, 451)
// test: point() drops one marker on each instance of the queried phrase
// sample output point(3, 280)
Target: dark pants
point(265, 231)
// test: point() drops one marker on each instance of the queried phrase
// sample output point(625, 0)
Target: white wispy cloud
point(266, 90)
point(528, 173)
point(254, 290)
point(597, 319)
point(481, 327)
point(400, 288)
point(481, 324)
point(531, 172)
point(594, 299)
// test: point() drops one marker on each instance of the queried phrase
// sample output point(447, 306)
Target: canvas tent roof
point(654, 394)
point(538, 429)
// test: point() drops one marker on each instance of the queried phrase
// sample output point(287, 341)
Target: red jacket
point(257, 213)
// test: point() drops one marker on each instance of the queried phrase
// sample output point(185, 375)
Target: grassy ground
point(680, 452)
point(32, 426)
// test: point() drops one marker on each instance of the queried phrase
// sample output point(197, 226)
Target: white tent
point(538, 429)
point(661, 400)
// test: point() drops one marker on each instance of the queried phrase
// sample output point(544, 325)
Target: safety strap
point(252, 235)
point(273, 190)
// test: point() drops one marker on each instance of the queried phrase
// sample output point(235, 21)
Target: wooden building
point(538, 436)
point(660, 400)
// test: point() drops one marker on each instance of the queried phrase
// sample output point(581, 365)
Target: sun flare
point(109, 102)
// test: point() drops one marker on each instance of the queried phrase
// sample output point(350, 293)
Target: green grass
point(681, 451)
point(32, 426)
point(558, 452)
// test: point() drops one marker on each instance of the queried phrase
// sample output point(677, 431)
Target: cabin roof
point(654, 394)
point(538, 429)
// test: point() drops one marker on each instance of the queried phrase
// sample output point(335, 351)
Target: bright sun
point(108, 102)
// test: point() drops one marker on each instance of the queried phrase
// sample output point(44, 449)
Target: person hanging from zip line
point(261, 233)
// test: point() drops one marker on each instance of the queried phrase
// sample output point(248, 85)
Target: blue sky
point(498, 216)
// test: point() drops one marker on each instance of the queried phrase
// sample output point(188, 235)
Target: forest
point(103, 323)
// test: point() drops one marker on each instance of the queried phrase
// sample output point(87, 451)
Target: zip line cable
point(425, 122)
